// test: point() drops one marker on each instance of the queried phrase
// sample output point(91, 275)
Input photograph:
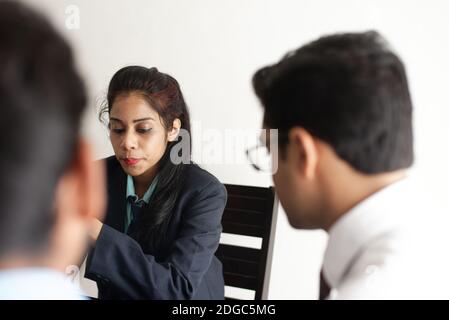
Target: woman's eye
point(117, 130)
point(144, 130)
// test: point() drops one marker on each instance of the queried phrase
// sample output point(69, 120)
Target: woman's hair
point(163, 94)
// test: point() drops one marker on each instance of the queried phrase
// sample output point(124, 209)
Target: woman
point(163, 221)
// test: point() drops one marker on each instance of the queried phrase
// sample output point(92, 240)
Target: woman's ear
point(174, 132)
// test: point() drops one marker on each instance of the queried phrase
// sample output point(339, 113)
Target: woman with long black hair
point(163, 221)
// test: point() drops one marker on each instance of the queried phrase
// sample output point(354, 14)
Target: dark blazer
point(185, 267)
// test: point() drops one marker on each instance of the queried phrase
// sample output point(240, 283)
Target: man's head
point(47, 182)
point(344, 114)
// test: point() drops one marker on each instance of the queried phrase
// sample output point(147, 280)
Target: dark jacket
point(185, 267)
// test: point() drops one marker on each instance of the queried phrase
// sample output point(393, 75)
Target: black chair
point(250, 211)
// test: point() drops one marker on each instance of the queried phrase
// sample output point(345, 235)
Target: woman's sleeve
point(119, 260)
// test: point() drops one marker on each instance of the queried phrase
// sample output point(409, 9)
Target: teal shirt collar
point(130, 191)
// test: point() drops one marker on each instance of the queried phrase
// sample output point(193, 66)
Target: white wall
point(214, 47)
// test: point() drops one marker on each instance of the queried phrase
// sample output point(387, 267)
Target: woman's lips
point(131, 161)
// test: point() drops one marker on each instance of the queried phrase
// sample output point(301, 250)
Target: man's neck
point(22, 262)
point(348, 192)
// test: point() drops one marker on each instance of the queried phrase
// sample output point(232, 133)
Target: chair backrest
point(250, 211)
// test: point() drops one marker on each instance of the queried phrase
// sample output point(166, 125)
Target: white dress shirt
point(389, 246)
point(37, 284)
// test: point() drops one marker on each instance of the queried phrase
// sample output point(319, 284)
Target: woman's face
point(137, 134)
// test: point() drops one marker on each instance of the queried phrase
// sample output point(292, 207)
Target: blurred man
point(344, 114)
point(50, 192)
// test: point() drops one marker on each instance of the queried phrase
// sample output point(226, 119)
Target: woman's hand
point(94, 230)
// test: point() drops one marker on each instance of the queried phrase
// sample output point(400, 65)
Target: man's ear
point(305, 151)
point(82, 188)
point(174, 132)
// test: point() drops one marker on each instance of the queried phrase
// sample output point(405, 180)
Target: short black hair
point(42, 98)
point(351, 91)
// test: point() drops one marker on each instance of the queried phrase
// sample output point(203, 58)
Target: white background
point(213, 48)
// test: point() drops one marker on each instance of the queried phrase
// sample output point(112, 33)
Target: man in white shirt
point(49, 190)
point(343, 111)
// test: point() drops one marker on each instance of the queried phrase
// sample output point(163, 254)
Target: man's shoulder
point(380, 270)
point(27, 284)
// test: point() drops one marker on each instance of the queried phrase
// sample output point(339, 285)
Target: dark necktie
point(136, 212)
point(324, 287)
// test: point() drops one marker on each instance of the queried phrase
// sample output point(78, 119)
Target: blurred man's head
point(344, 114)
point(48, 189)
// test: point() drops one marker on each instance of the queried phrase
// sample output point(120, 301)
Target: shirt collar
point(376, 215)
point(130, 191)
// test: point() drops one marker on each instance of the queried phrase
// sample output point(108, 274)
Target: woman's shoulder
point(199, 179)
point(202, 190)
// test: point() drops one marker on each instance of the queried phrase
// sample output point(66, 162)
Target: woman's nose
point(129, 141)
